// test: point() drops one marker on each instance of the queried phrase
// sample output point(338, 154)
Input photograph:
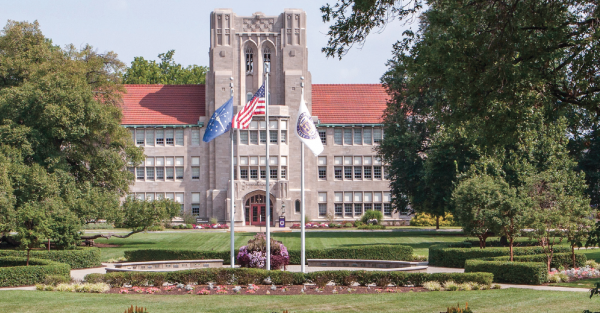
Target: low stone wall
point(367, 264)
point(165, 266)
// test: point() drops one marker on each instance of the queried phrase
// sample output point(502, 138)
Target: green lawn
point(508, 300)
point(583, 283)
point(420, 241)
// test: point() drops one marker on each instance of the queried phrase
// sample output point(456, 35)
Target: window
point(347, 136)
point(377, 135)
point(263, 136)
point(377, 206)
point(150, 196)
point(139, 135)
point(368, 206)
point(179, 161)
point(140, 196)
point(179, 137)
point(150, 173)
point(283, 172)
point(348, 209)
point(195, 203)
point(386, 174)
point(358, 172)
point(249, 61)
point(322, 209)
point(243, 173)
point(266, 55)
point(179, 199)
point(322, 172)
point(323, 136)
point(160, 173)
point(387, 209)
point(249, 97)
point(195, 209)
point(377, 172)
point(283, 136)
point(357, 136)
point(195, 161)
point(195, 137)
point(273, 173)
point(195, 172)
point(253, 174)
point(169, 137)
point(358, 209)
point(338, 209)
point(263, 173)
point(149, 137)
point(254, 137)
point(348, 172)
point(297, 206)
point(140, 173)
point(367, 173)
point(160, 140)
point(243, 137)
point(273, 136)
point(170, 173)
point(131, 170)
point(337, 136)
point(367, 136)
point(338, 172)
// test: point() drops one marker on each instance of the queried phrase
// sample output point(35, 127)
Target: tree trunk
point(437, 222)
point(28, 256)
point(573, 254)
point(511, 248)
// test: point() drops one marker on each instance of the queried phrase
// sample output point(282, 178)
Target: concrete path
point(255, 229)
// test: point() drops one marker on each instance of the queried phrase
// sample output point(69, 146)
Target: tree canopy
point(144, 71)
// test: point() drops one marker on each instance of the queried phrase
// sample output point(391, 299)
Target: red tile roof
point(163, 104)
point(349, 104)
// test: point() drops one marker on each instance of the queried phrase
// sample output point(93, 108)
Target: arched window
point(249, 60)
point(297, 206)
point(266, 54)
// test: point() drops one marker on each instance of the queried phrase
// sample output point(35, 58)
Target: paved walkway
point(256, 229)
point(79, 274)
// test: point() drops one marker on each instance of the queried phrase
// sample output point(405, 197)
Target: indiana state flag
point(220, 122)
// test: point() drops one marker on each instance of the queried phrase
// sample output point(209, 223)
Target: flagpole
point(267, 68)
point(231, 186)
point(302, 215)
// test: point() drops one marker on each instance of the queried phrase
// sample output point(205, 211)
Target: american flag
point(256, 105)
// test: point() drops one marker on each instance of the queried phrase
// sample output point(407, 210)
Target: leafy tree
point(32, 226)
point(144, 71)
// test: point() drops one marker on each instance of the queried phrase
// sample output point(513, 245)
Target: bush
point(54, 280)
point(13, 271)
point(374, 252)
point(348, 224)
point(558, 259)
point(358, 223)
point(244, 276)
point(372, 214)
point(78, 258)
point(424, 219)
point(371, 227)
point(156, 228)
point(253, 254)
point(432, 286)
point(532, 273)
point(455, 255)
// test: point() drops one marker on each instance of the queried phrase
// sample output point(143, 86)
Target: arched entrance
point(255, 209)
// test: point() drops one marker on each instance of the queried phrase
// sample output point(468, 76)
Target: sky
point(148, 27)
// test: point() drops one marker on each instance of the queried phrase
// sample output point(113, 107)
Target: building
point(344, 181)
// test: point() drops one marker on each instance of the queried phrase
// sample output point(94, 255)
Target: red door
point(258, 214)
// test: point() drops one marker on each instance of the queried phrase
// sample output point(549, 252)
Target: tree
point(61, 142)
point(166, 72)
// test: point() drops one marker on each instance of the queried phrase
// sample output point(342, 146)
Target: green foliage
point(139, 215)
point(371, 227)
point(372, 214)
point(54, 280)
point(80, 258)
point(424, 219)
point(531, 273)
point(14, 272)
point(558, 259)
point(456, 255)
point(372, 252)
point(167, 72)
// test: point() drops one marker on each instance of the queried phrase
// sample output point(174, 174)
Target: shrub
point(65, 287)
point(358, 223)
point(371, 227)
point(466, 286)
point(78, 258)
point(455, 255)
point(370, 215)
point(532, 273)
point(13, 271)
point(348, 224)
point(591, 263)
point(558, 259)
point(424, 219)
point(253, 254)
point(554, 278)
point(451, 286)
point(156, 228)
point(432, 286)
point(54, 280)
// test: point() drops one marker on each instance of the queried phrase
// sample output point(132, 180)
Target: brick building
point(168, 121)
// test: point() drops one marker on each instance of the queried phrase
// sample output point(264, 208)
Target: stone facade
point(343, 181)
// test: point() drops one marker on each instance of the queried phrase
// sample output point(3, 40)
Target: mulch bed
point(265, 290)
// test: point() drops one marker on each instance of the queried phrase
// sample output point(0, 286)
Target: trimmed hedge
point(455, 255)
point(534, 273)
point(243, 276)
point(78, 258)
point(374, 252)
point(558, 259)
point(13, 271)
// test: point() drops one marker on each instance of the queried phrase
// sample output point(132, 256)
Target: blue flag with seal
point(220, 122)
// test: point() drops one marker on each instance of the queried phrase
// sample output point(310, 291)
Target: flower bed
point(253, 254)
point(557, 276)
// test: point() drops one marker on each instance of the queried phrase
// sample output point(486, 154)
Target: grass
point(507, 300)
point(420, 241)
point(582, 283)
